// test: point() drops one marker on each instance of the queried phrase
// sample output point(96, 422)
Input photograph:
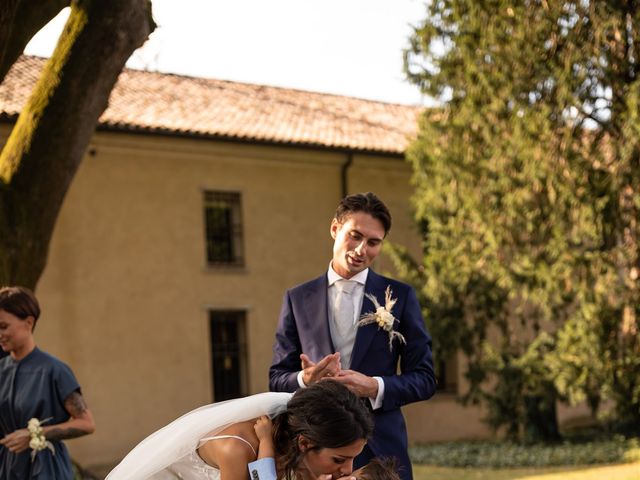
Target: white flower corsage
point(383, 316)
point(38, 441)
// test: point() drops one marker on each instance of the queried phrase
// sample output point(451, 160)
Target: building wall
point(127, 290)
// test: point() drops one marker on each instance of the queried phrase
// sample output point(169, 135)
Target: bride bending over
point(318, 430)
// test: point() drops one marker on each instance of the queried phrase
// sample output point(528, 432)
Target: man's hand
point(312, 372)
point(358, 383)
point(17, 441)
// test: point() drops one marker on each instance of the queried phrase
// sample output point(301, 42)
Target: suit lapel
point(365, 334)
point(317, 316)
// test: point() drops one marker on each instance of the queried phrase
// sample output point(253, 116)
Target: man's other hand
point(360, 384)
point(312, 372)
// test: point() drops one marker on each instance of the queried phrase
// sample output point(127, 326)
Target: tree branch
point(20, 20)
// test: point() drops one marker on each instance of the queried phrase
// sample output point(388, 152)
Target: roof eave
point(105, 127)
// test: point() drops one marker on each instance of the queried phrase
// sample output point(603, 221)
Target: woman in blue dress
point(35, 387)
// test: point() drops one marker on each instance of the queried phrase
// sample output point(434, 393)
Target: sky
point(346, 47)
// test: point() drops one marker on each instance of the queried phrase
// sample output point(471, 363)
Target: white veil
point(180, 437)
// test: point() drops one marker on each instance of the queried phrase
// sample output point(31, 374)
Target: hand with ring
point(329, 366)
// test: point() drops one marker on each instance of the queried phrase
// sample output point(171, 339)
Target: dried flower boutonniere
point(383, 316)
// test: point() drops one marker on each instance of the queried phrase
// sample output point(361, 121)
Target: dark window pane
point(223, 228)
point(219, 240)
point(447, 372)
point(228, 354)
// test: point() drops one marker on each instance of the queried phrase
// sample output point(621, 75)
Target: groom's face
point(357, 242)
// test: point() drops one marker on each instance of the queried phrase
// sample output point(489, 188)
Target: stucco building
point(197, 204)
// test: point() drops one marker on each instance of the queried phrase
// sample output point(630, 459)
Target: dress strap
point(206, 439)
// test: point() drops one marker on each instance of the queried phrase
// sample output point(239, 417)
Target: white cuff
point(300, 380)
point(376, 403)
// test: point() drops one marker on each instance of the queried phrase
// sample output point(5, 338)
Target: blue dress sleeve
point(65, 382)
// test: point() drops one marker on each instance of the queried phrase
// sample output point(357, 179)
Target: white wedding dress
point(170, 453)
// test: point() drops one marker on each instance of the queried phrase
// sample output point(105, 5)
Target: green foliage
point(509, 455)
point(526, 191)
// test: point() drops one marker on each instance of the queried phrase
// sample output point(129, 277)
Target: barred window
point(447, 374)
point(223, 228)
point(228, 353)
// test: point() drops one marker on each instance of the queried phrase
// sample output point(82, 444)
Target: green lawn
point(628, 471)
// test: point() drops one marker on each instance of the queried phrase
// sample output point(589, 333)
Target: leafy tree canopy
point(526, 191)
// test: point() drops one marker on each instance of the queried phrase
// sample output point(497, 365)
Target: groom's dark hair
point(366, 203)
point(327, 414)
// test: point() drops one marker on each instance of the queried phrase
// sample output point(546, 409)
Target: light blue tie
point(344, 331)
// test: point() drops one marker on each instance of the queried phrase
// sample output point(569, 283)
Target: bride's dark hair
point(327, 414)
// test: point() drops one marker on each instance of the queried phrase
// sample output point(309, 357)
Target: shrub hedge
point(493, 454)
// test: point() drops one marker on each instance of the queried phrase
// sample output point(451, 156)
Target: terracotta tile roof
point(173, 104)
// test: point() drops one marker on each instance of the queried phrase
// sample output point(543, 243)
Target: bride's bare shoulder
point(226, 453)
point(241, 429)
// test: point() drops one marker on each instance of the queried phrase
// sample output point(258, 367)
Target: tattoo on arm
point(75, 404)
point(64, 433)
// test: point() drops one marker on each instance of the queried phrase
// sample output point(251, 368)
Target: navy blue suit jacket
point(304, 328)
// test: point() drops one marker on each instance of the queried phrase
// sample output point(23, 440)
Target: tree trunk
point(20, 20)
point(54, 128)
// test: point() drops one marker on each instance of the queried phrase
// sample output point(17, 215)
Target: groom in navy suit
point(318, 334)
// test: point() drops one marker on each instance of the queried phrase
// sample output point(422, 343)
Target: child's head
point(378, 469)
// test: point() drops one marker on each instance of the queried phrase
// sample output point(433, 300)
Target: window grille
point(223, 228)
point(228, 354)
